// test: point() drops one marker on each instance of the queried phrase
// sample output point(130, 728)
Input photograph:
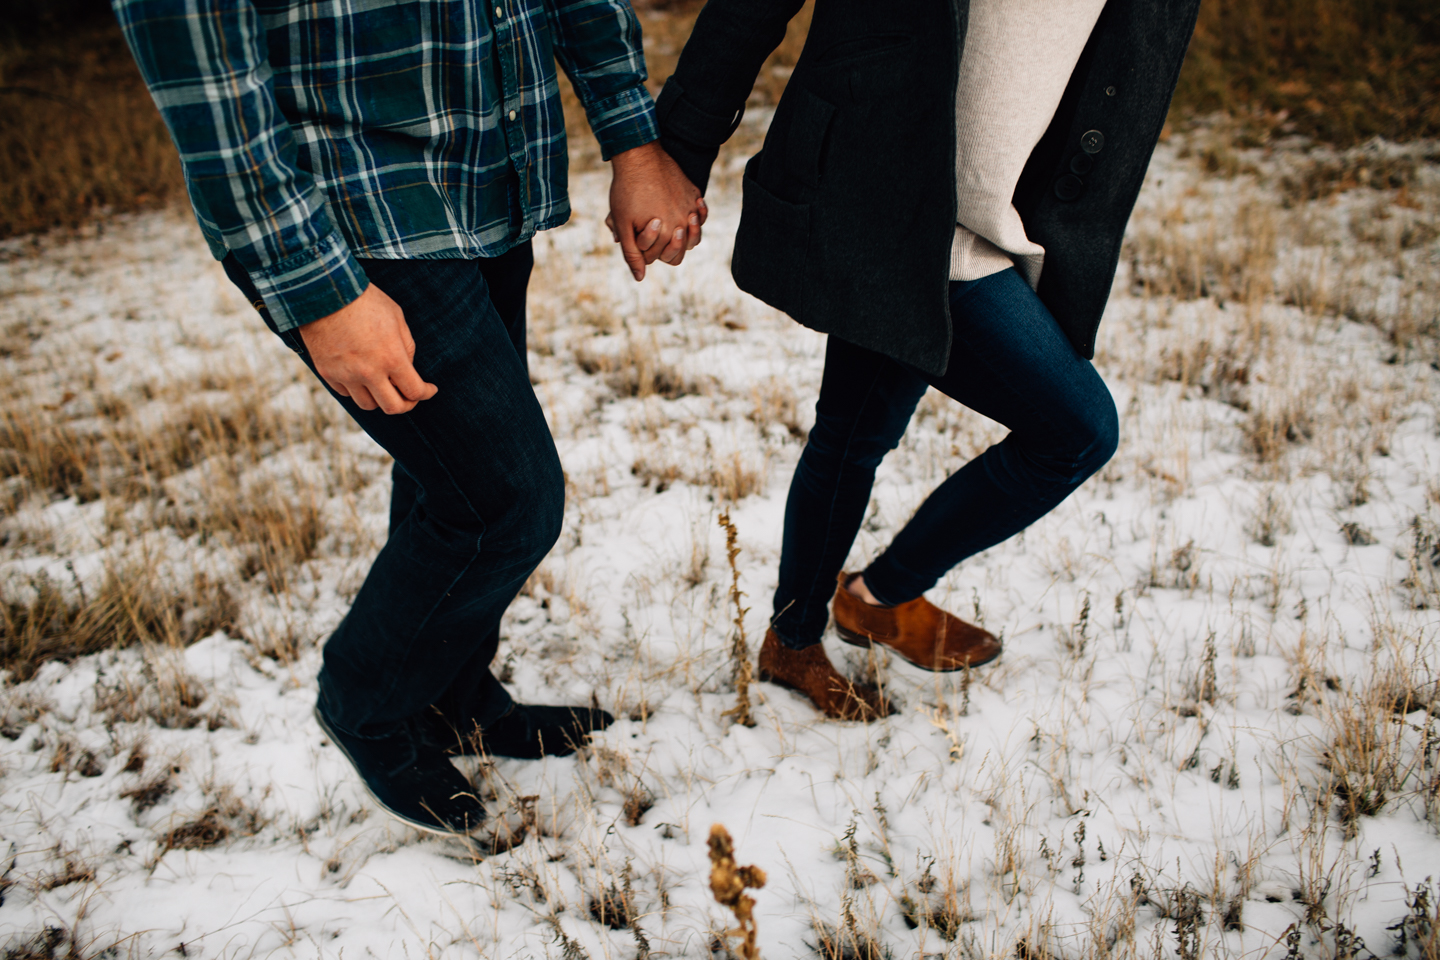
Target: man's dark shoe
point(527, 732)
point(412, 780)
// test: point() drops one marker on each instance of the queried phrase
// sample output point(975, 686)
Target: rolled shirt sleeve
point(205, 64)
point(597, 42)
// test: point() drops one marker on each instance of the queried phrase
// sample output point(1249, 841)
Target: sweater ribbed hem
point(973, 257)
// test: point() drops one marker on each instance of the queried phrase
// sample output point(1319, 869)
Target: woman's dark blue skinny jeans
point(1010, 361)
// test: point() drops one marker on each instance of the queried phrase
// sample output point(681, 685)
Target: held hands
point(364, 351)
point(655, 212)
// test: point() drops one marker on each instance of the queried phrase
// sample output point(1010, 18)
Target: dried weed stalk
point(740, 649)
point(728, 882)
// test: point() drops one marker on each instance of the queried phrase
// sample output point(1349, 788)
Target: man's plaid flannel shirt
point(313, 132)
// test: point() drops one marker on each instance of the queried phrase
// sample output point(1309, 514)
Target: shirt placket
point(507, 44)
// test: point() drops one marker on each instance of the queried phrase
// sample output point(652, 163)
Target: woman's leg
point(866, 400)
point(1011, 362)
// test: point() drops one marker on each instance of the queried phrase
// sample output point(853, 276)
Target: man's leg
point(488, 508)
point(488, 498)
point(507, 278)
point(1011, 362)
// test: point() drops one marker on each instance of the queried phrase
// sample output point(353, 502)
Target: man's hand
point(365, 352)
point(655, 212)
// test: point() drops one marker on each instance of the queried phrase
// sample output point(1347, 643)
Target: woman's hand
point(656, 213)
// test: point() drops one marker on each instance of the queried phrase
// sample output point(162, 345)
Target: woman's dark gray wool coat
point(849, 210)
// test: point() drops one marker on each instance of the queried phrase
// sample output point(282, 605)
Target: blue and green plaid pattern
point(313, 132)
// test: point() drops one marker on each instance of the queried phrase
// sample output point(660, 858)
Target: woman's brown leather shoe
point(810, 672)
point(918, 631)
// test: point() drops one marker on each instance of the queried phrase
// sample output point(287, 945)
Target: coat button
point(1081, 164)
point(1092, 141)
point(1069, 187)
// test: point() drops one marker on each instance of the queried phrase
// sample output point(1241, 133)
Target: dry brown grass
point(43, 620)
point(227, 816)
point(1230, 261)
point(637, 369)
point(739, 648)
point(208, 460)
point(1379, 736)
point(1338, 70)
point(101, 445)
point(730, 477)
point(79, 134)
point(1285, 233)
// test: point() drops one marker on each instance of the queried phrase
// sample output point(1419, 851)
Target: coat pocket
point(805, 140)
point(868, 68)
point(771, 246)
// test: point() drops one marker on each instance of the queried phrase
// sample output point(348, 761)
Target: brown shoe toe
point(920, 632)
point(810, 672)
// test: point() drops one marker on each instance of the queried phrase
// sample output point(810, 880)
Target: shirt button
point(499, 13)
point(1092, 141)
point(512, 114)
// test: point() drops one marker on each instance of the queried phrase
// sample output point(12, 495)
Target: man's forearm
point(203, 62)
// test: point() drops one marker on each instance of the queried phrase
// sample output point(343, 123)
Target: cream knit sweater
point(1018, 57)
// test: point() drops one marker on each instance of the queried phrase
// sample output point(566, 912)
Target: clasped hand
point(656, 213)
point(364, 350)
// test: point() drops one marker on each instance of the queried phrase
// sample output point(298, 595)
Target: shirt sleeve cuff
point(624, 121)
point(312, 284)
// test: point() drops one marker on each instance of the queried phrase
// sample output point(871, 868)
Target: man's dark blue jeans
point(477, 501)
point(1009, 361)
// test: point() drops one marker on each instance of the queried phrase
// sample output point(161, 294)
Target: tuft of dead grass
point(42, 620)
point(614, 905)
point(1338, 70)
point(194, 458)
point(1423, 560)
point(143, 796)
point(79, 135)
point(1175, 256)
point(637, 369)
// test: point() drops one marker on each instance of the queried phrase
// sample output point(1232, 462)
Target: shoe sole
point(860, 640)
point(409, 821)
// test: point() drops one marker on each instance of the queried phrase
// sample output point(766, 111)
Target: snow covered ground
point(1212, 733)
